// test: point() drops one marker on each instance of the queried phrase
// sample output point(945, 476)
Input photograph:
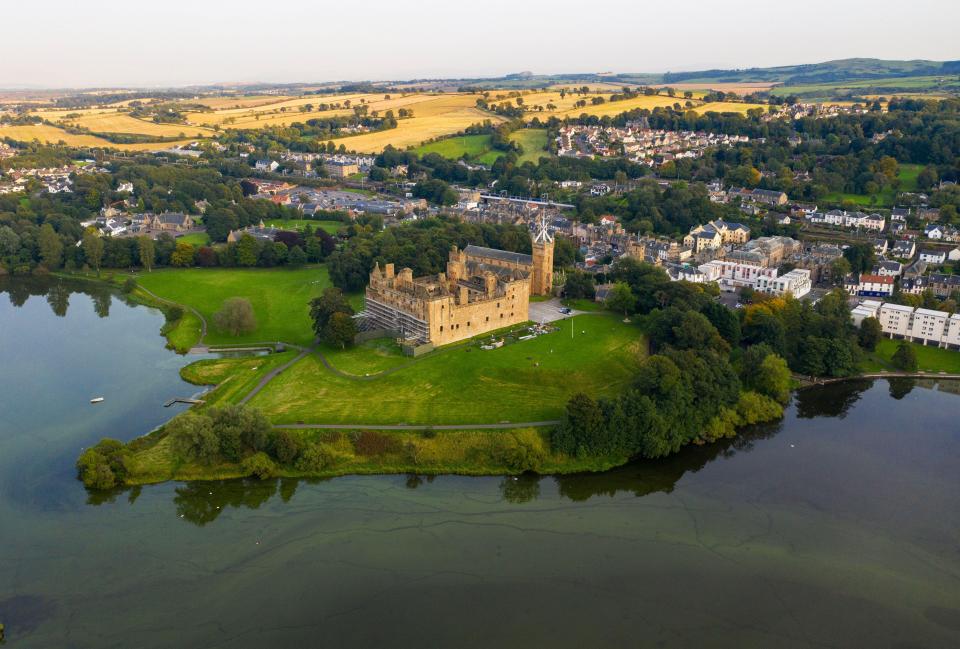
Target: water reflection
point(831, 400)
point(202, 503)
point(57, 292)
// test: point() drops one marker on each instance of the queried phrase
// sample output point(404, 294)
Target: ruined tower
point(542, 280)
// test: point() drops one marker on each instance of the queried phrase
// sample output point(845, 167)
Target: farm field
point(525, 381)
point(113, 122)
point(52, 135)
point(826, 90)
point(739, 88)
point(477, 147)
point(434, 117)
point(195, 239)
point(279, 298)
point(457, 147)
point(726, 107)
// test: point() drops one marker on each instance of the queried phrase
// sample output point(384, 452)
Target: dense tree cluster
point(697, 386)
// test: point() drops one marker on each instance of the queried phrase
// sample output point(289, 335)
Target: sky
point(101, 43)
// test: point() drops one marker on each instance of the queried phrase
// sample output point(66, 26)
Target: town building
point(796, 283)
point(715, 234)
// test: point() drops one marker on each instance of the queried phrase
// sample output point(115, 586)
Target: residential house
point(904, 249)
point(266, 165)
point(869, 285)
point(931, 256)
point(888, 269)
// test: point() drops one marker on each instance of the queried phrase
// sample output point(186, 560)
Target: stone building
point(483, 289)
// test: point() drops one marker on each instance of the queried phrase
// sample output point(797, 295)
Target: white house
point(796, 282)
point(933, 231)
point(933, 256)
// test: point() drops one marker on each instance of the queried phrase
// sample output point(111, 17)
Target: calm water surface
point(839, 527)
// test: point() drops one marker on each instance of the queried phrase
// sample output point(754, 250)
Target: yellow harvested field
point(617, 107)
point(435, 116)
point(123, 123)
point(727, 107)
point(53, 135)
point(238, 101)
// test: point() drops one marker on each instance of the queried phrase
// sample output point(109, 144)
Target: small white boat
point(96, 400)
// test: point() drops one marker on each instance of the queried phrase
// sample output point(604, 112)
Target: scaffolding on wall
point(392, 318)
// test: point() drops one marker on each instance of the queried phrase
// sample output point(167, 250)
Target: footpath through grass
point(527, 381)
point(280, 298)
point(929, 359)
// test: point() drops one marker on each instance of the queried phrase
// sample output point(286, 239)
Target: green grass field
point(279, 297)
point(907, 176)
point(929, 359)
point(196, 238)
point(330, 227)
point(457, 147)
point(477, 147)
point(526, 381)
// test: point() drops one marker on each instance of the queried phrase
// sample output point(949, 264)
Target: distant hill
point(828, 72)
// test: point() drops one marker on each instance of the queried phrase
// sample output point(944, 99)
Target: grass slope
point(526, 381)
point(279, 297)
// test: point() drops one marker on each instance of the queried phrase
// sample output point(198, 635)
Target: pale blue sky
point(57, 43)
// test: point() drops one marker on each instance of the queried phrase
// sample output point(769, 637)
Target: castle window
point(488, 319)
point(441, 327)
point(498, 305)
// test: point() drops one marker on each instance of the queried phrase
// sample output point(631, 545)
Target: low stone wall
point(372, 334)
point(411, 349)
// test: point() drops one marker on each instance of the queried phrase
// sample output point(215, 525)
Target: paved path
point(811, 381)
point(549, 311)
point(273, 373)
point(500, 426)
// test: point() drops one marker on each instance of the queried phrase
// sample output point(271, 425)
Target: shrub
point(259, 465)
point(174, 312)
point(520, 451)
point(287, 447)
point(130, 285)
point(370, 443)
point(315, 457)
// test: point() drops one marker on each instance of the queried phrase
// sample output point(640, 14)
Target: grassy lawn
point(907, 176)
point(279, 297)
point(195, 238)
point(184, 333)
point(330, 227)
point(534, 143)
point(929, 359)
point(582, 304)
point(526, 381)
point(370, 357)
point(457, 147)
point(233, 376)
point(477, 147)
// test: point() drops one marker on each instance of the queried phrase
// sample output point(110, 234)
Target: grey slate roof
point(502, 255)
